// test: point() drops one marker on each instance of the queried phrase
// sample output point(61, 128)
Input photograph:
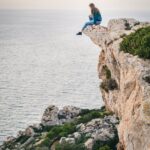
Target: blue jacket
point(96, 16)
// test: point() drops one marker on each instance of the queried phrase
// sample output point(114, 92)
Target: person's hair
point(92, 5)
point(93, 8)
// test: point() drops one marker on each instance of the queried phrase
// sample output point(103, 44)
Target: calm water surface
point(42, 62)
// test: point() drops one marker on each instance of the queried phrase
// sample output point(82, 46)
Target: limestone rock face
point(130, 100)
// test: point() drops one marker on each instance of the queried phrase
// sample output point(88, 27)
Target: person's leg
point(90, 18)
point(90, 23)
point(98, 23)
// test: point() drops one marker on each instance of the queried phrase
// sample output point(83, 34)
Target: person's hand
point(90, 17)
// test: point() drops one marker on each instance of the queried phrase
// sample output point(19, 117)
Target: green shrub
point(106, 147)
point(104, 86)
point(137, 43)
point(147, 79)
point(42, 148)
point(61, 131)
point(84, 112)
point(101, 145)
point(107, 72)
point(87, 117)
point(56, 132)
point(46, 142)
point(22, 139)
point(92, 114)
point(82, 139)
point(109, 84)
point(67, 146)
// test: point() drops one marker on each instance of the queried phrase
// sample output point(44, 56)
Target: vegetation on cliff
point(137, 43)
point(56, 132)
point(90, 130)
point(108, 83)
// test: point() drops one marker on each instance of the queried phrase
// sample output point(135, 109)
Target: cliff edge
point(125, 86)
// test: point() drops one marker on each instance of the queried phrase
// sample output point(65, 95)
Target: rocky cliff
point(125, 90)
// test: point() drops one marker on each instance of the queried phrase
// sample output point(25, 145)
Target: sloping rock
point(131, 100)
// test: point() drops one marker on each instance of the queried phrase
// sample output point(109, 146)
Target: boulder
point(77, 135)
point(54, 116)
point(50, 116)
point(89, 144)
point(29, 131)
point(68, 113)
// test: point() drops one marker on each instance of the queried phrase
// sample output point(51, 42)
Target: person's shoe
point(79, 33)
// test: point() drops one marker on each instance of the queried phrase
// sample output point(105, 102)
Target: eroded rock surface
point(130, 99)
point(55, 116)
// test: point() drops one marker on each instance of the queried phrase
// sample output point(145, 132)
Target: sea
point(43, 62)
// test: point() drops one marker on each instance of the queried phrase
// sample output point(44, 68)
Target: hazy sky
point(76, 4)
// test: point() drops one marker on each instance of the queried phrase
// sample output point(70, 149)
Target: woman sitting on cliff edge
point(94, 19)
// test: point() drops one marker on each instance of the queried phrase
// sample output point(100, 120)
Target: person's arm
point(97, 16)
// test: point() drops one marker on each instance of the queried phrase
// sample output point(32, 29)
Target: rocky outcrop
point(70, 126)
point(125, 83)
point(54, 116)
point(100, 129)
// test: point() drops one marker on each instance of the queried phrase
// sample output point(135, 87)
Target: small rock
point(29, 131)
point(69, 112)
point(111, 119)
point(70, 136)
point(9, 139)
point(79, 126)
point(62, 140)
point(38, 142)
point(104, 134)
point(82, 128)
point(70, 140)
point(67, 140)
point(89, 144)
point(77, 135)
